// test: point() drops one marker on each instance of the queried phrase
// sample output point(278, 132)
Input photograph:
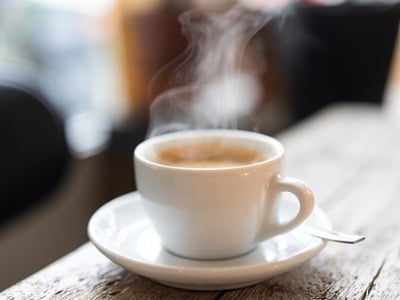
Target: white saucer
point(122, 232)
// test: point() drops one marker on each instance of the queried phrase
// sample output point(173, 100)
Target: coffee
point(207, 155)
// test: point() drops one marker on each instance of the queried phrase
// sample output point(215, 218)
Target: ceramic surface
point(217, 212)
point(122, 232)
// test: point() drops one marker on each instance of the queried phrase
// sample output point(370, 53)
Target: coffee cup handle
point(304, 195)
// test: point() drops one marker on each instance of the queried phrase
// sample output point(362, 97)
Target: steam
point(220, 73)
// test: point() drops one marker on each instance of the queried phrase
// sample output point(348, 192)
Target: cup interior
point(268, 148)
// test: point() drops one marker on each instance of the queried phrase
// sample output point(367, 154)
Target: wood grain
point(350, 156)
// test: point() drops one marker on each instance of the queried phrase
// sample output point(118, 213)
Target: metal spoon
point(332, 235)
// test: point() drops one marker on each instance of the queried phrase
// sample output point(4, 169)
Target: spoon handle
point(331, 235)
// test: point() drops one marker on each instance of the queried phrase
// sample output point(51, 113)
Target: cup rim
point(278, 147)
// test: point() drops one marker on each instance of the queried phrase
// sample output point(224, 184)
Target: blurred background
point(77, 78)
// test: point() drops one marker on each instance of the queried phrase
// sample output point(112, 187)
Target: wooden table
point(350, 155)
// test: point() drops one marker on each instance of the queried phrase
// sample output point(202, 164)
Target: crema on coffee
point(207, 155)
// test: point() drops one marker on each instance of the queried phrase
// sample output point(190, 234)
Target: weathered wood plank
point(367, 202)
point(87, 274)
point(360, 193)
point(328, 149)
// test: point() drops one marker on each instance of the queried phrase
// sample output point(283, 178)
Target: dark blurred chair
point(46, 195)
point(33, 152)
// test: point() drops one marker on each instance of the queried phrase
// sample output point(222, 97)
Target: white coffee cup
point(216, 212)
